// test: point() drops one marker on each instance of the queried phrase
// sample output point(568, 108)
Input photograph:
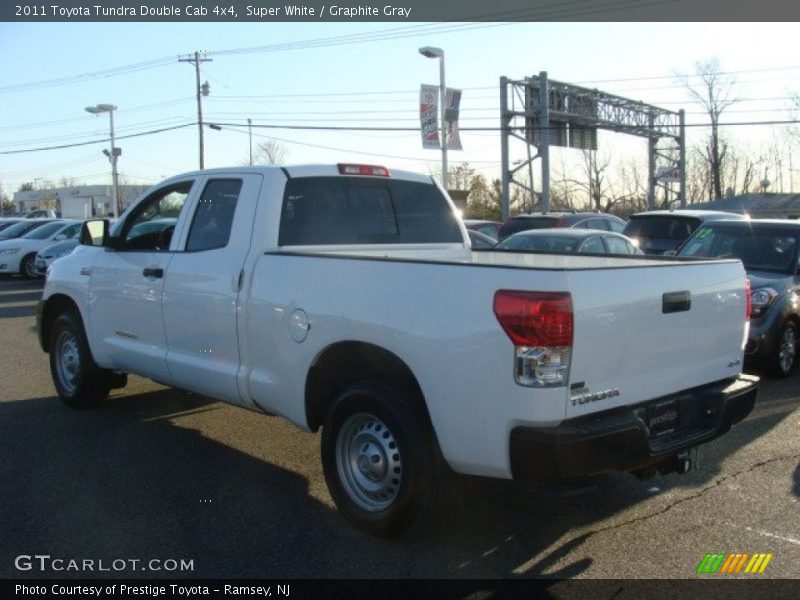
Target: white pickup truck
point(347, 297)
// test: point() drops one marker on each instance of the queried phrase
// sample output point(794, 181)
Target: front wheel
point(784, 357)
point(378, 457)
point(27, 268)
point(78, 380)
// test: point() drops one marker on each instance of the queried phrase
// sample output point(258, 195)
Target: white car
point(47, 255)
point(19, 255)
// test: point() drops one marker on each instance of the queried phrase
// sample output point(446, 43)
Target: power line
point(101, 141)
point(357, 129)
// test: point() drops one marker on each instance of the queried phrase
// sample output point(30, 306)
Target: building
point(758, 206)
point(77, 202)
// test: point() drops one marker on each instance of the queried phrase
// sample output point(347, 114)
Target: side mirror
point(59, 238)
point(94, 233)
point(671, 253)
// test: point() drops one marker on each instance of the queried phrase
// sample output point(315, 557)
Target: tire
point(784, 357)
point(27, 267)
point(378, 456)
point(78, 380)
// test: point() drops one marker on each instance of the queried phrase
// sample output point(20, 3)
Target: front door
point(127, 283)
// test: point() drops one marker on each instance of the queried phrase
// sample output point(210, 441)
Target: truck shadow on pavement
point(137, 479)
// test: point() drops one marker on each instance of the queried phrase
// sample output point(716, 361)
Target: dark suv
point(571, 220)
point(663, 231)
point(768, 250)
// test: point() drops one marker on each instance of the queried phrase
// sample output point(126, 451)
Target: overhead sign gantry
point(544, 113)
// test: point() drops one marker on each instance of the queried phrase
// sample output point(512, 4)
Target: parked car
point(42, 214)
point(19, 255)
point(769, 251)
point(663, 231)
point(569, 220)
point(490, 228)
point(21, 228)
point(583, 241)
point(46, 256)
point(481, 241)
point(5, 223)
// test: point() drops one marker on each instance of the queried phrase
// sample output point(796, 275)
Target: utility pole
point(250, 135)
point(201, 91)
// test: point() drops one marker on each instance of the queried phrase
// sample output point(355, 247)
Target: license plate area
point(663, 417)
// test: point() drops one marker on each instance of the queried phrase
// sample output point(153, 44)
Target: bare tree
point(715, 93)
point(595, 165)
point(632, 189)
point(270, 152)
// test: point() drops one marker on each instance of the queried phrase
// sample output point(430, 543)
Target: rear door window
point(213, 218)
point(343, 211)
point(617, 245)
point(594, 245)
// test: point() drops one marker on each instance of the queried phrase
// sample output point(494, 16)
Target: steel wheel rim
point(368, 461)
point(788, 351)
point(67, 361)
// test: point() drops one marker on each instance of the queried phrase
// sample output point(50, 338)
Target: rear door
point(642, 333)
point(203, 283)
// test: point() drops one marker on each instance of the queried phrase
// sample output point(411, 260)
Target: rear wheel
point(78, 380)
point(378, 457)
point(784, 356)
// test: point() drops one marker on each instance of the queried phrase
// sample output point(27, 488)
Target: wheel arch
point(54, 306)
point(345, 363)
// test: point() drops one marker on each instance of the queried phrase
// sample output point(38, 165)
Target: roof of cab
point(308, 170)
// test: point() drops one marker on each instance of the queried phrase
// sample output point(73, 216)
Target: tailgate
point(642, 333)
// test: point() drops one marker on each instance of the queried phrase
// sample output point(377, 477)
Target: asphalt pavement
point(158, 474)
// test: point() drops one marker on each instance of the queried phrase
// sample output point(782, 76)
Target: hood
point(58, 247)
point(780, 282)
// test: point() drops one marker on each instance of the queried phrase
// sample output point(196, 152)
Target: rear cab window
point(662, 227)
point(352, 211)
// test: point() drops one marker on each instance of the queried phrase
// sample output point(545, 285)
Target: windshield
point(20, 228)
point(44, 231)
point(540, 243)
point(759, 248)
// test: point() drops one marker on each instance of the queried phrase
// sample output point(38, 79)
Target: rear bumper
point(620, 439)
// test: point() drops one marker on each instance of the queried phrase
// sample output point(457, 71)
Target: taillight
point(369, 170)
point(749, 302)
point(540, 325)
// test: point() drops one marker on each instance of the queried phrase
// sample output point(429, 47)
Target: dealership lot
point(160, 474)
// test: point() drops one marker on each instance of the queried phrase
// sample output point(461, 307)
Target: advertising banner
point(429, 116)
point(452, 103)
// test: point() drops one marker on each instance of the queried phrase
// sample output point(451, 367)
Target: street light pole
point(113, 154)
point(431, 52)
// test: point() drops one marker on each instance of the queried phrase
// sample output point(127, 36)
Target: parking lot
point(157, 473)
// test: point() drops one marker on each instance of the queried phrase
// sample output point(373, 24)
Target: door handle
point(673, 302)
point(153, 272)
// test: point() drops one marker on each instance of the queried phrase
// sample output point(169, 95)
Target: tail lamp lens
point(541, 319)
point(540, 325)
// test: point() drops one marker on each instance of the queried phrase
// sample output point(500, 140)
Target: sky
point(307, 74)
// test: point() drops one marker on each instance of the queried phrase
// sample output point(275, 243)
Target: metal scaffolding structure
point(544, 113)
